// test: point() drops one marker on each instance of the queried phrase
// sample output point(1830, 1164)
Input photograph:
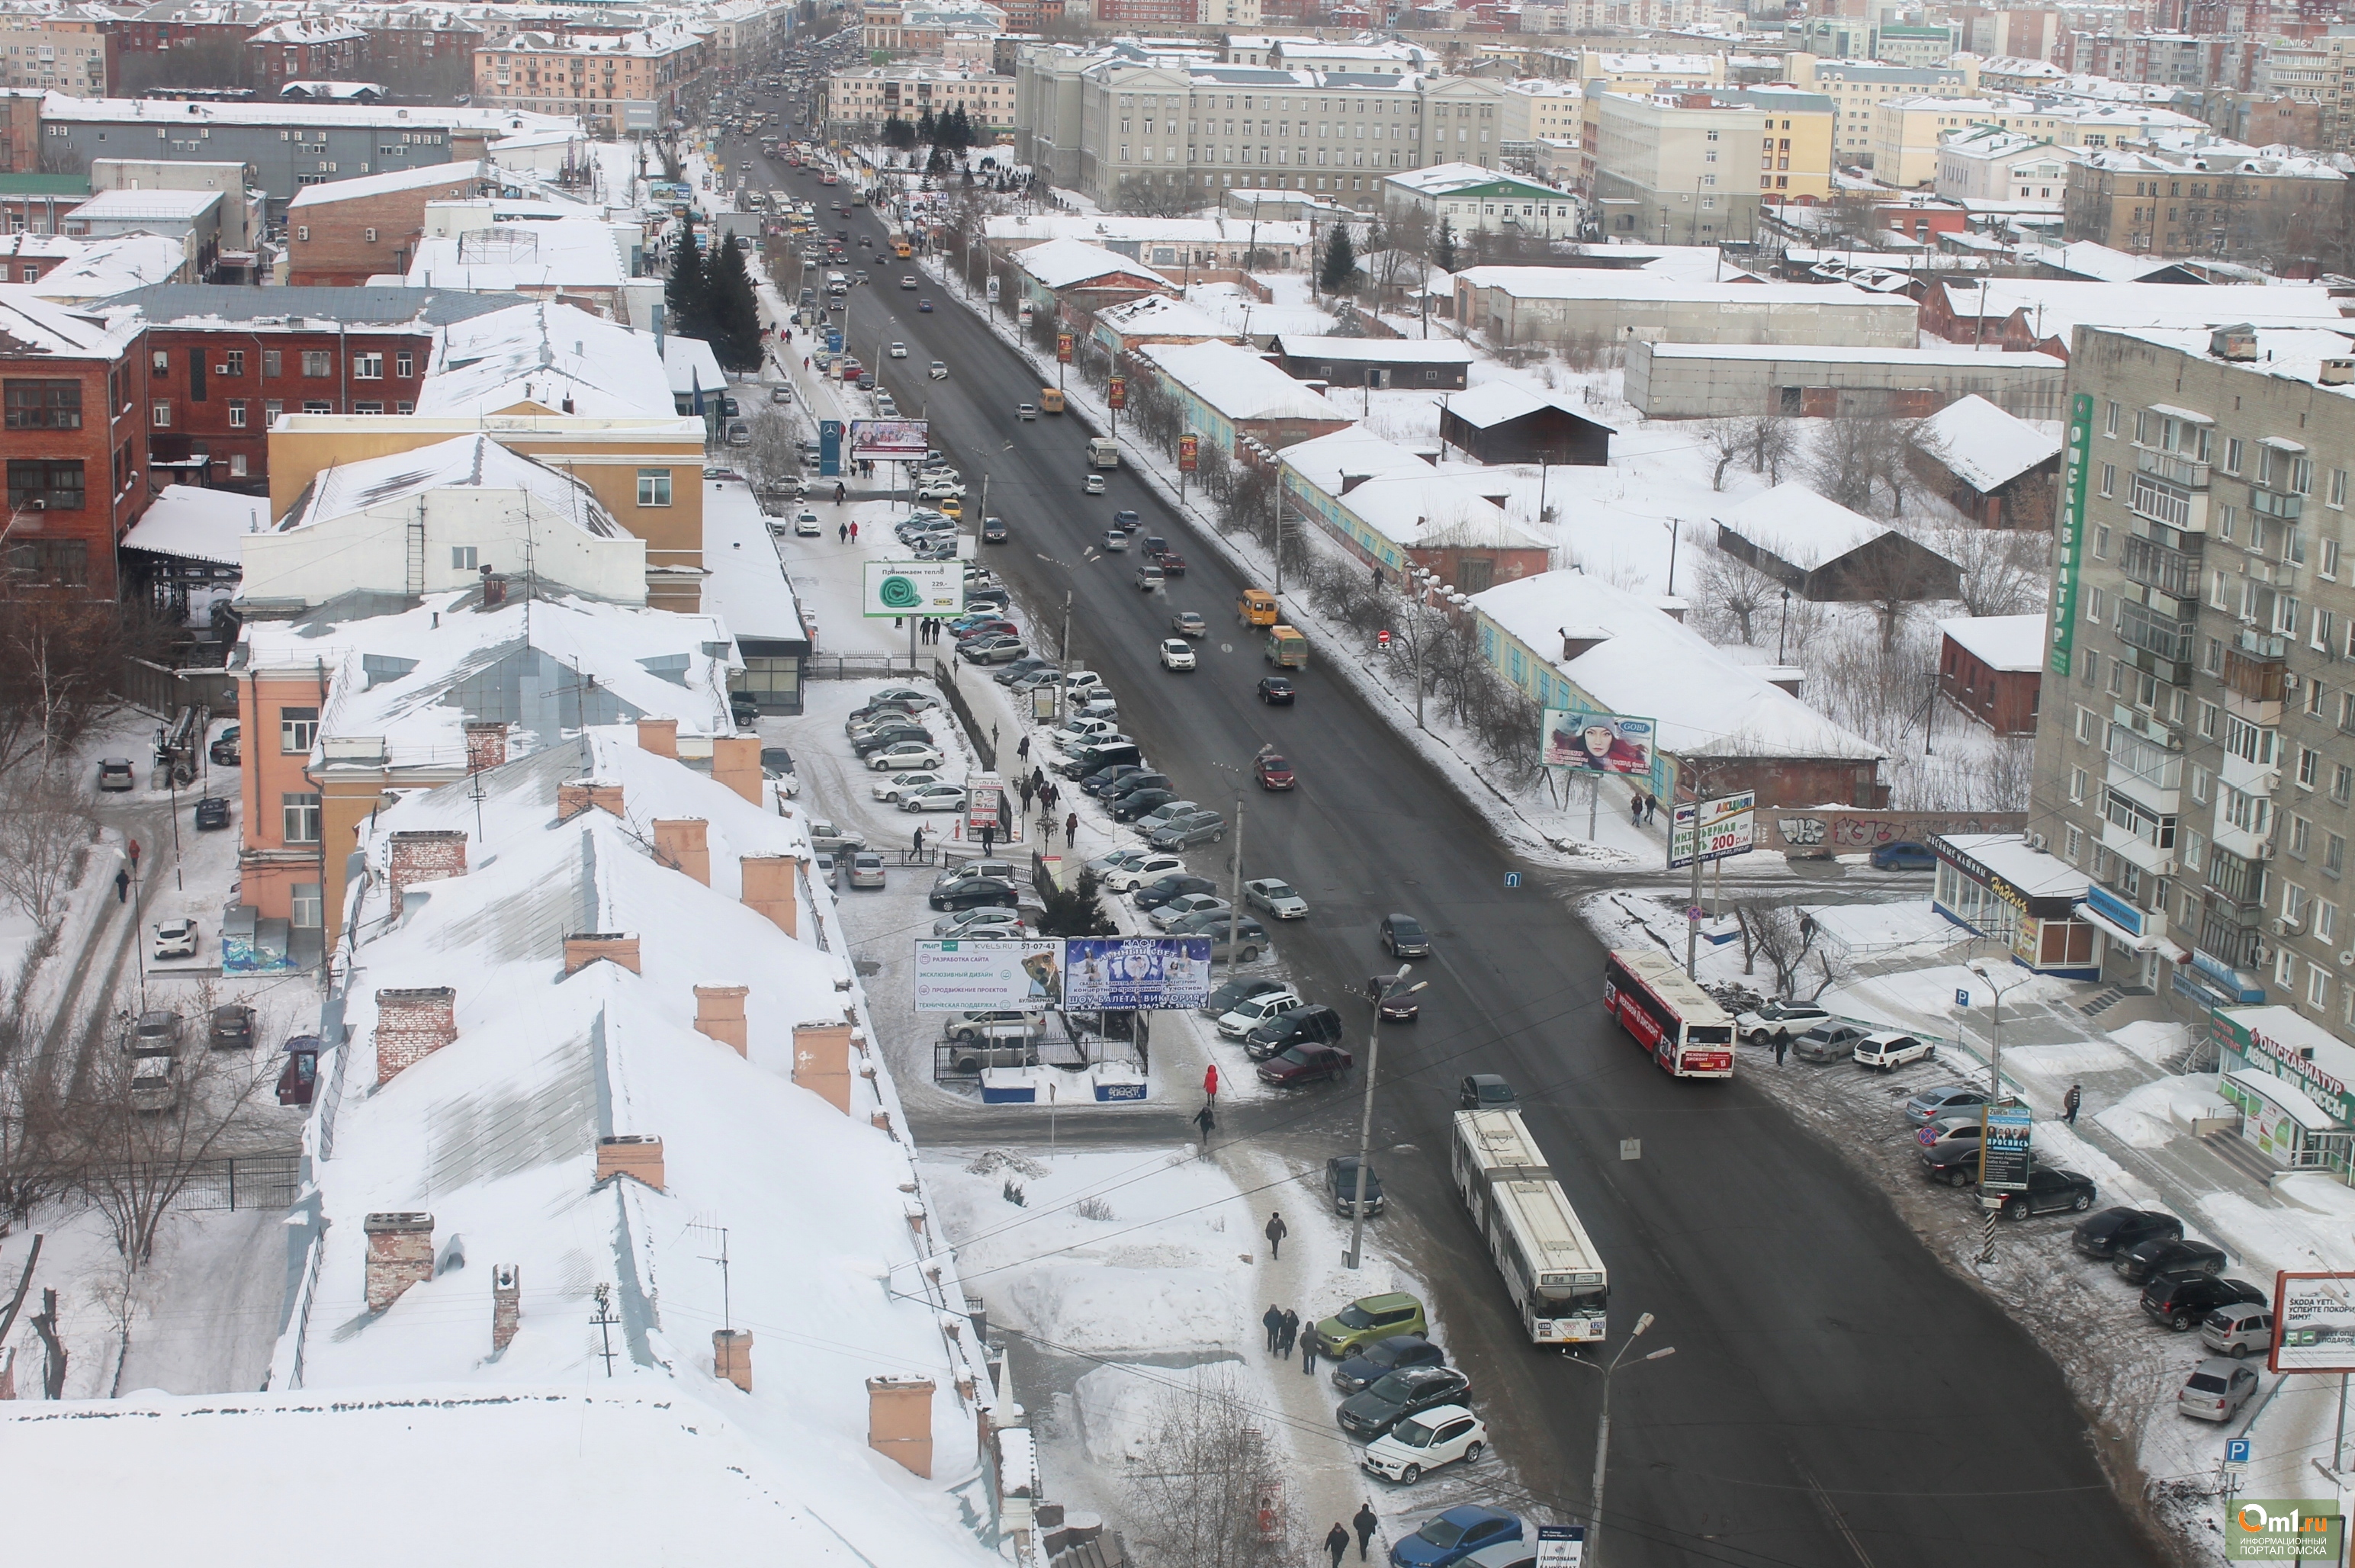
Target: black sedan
point(2115, 1231)
point(1162, 889)
point(1341, 1186)
point(1275, 689)
point(1371, 1411)
point(1399, 1003)
point(2176, 1255)
point(2051, 1190)
point(212, 812)
point(1954, 1161)
point(1104, 781)
point(1137, 803)
point(977, 893)
point(1383, 1356)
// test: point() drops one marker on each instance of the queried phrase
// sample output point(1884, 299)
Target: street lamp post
point(1988, 1206)
point(1602, 1437)
point(1782, 636)
point(1381, 991)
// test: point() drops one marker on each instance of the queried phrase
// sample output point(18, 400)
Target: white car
point(906, 755)
point(1126, 869)
point(934, 797)
point(805, 525)
point(941, 490)
point(1276, 896)
point(1253, 1011)
point(1081, 681)
point(980, 923)
point(1423, 1442)
point(1890, 1051)
point(898, 784)
point(865, 869)
point(898, 351)
point(1026, 411)
point(1184, 904)
point(940, 371)
point(176, 939)
point(1093, 486)
point(1081, 732)
point(1177, 654)
point(914, 697)
point(1780, 1020)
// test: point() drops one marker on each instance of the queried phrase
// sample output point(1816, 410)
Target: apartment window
point(2110, 417)
point(159, 413)
point(269, 362)
point(2342, 783)
point(2235, 454)
point(404, 365)
point(2309, 766)
point(2334, 854)
point(2086, 722)
point(2077, 784)
point(2301, 836)
point(2094, 605)
point(2318, 985)
point(653, 486)
point(237, 464)
point(44, 405)
point(368, 367)
point(2198, 783)
point(305, 910)
point(233, 362)
point(315, 362)
point(2208, 714)
point(298, 728)
point(2329, 566)
point(237, 413)
point(299, 813)
point(2109, 478)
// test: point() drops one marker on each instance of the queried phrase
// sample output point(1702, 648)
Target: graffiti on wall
point(1839, 830)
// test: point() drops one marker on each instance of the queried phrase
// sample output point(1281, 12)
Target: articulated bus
point(1680, 1024)
point(1552, 1271)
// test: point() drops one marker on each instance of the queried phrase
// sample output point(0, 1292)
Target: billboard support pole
point(2338, 1448)
point(1692, 910)
point(1594, 804)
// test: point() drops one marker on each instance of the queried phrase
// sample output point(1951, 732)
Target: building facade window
point(298, 729)
point(299, 815)
point(653, 486)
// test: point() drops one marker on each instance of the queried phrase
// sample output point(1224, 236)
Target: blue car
point(1904, 857)
point(1451, 1536)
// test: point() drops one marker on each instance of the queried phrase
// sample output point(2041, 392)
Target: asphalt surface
point(1835, 1396)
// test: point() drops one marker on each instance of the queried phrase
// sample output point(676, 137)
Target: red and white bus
point(1680, 1024)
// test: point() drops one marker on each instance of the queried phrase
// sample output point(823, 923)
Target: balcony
point(2131, 847)
point(2160, 788)
point(2171, 466)
point(2163, 570)
point(2279, 505)
point(2185, 511)
point(2241, 844)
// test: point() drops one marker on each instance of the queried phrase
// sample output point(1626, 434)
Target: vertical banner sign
point(2072, 541)
point(1062, 349)
point(2003, 1148)
point(1116, 394)
point(991, 291)
point(1189, 452)
point(829, 448)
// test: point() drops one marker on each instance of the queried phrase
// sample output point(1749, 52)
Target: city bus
point(1680, 1024)
point(1552, 1270)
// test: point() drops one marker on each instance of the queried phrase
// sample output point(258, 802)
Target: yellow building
point(1857, 89)
point(1795, 143)
point(1908, 131)
point(872, 94)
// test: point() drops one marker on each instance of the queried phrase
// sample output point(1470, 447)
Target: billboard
point(2004, 1134)
point(1726, 826)
point(1062, 348)
point(638, 114)
point(1024, 974)
point(2314, 1323)
point(984, 807)
point(1598, 742)
point(1116, 392)
point(1190, 453)
point(829, 449)
point(893, 589)
point(2297, 1530)
point(891, 440)
point(1136, 972)
point(992, 290)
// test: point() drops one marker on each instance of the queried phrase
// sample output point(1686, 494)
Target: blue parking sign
point(2236, 1450)
point(1962, 997)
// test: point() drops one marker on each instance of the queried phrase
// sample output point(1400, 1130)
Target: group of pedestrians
point(1336, 1539)
point(1283, 1325)
point(1643, 809)
point(846, 533)
point(931, 629)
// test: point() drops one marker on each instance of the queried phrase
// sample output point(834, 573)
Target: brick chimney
point(719, 1013)
point(769, 889)
point(583, 948)
point(575, 795)
point(659, 736)
point(411, 1025)
point(400, 1255)
point(486, 745)
point(683, 843)
point(731, 1355)
point(822, 1060)
point(900, 1421)
point(736, 762)
point(424, 856)
point(507, 1304)
point(632, 1153)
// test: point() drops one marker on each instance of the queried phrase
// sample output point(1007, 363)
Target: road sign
point(1382, 638)
point(2236, 1452)
point(1560, 1545)
point(1512, 879)
point(1726, 826)
point(1962, 997)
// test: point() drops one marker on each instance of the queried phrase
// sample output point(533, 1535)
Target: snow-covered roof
point(1105, 229)
point(1443, 180)
point(170, 114)
point(2011, 644)
point(466, 462)
point(194, 523)
point(2096, 261)
point(1430, 508)
point(2284, 353)
point(1067, 264)
point(566, 252)
point(426, 177)
point(1326, 461)
point(690, 364)
point(1501, 401)
point(111, 267)
point(1939, 354)
point(2057, 307)
point(1647, 284)
point(128, 206)
point(747, 587)
point(1800, 527)
point(1374, 350)
point(1983, 445)
point(1238, 383)
point(2297, 1035)
point(545, 353)
point(1161, 315)
point(1706, 704)
point(2039, 873)
point(30, 322)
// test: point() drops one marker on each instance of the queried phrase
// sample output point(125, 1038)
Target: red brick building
point(20, 129)
point(72, 392)
point(347, 231)
point(306, 51)
point(1992, 667)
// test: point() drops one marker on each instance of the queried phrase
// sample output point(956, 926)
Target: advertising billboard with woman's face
point(1596, 742)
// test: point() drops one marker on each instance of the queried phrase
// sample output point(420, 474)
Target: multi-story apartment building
point(1674, 169)
point(1857, 88)
point(595, 75)
point(860, 100)
point(75, 397)
point(1617, 70)
point(59, 54)
point(1987, 164)
point(306, 50)
point(2196, 757)
point(1542, 109)
point(2218, 198)
point(1803, 126)
point(1120, 126)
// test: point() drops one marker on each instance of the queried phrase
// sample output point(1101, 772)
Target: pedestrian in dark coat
point(1287, 1334)
point(1208, 1122)
point(1308, 1355)
point(1782, 1044)
point(1026, 794)
point(919, 838)
point(988, 837)
point(1337, 1542)
point(1023, 751)
point(1636, 810)
point(1070, 830)
point(1276, 1230)
point(1273, 1321)
point(1367, 1524)
point(2069, 1103)
point(121, 886)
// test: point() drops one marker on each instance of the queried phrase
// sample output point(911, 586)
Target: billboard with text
point(1598, 742)
point(2314, 1323)
point(1121, 972)
point(891, 440)
point(990, 975)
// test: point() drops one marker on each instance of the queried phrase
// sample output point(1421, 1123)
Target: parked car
point(1779, 1021)
point(892, 788)
point(1888, 1052)
point(1276, 690)
point(911, 697)
point(223, 750)
point(997, 1046)
point(212, 812)
point(1341, 1186)
point(934, 797)
point(1224, 999)
point(1372, 1410)
point(1383, 1356)
point(1140, 803)
point(890, 735)
point(902, 756)
point(994, 650)
point(176, 939)
point(866, 869)
point(1132, 780)
point(1276, 896)
point(977, 892)
point(1953, 1125)
point(2216, 1390)
point(1273, 772)
point(1954, 1161)
point(231, 1027)
point(777, 764)
point(966, 1027)
point(1186, 904)
point(2052, 1190)
point(1827, 1042)
point(1938, 1102)
point(2179, 1301)
point(1197, 828)
point(1125, 869)
point(115, 774)
point(1177, 654)
point(983, 921)
point(1249, 1013)
point(1303, 1063)
point(1170, 884)
point(2160, 1256)
point(1404, 937)
point(2114, 1231)
point(825, 835)
point(1446, 1539)
point(1425, 1441)
point(1903, 856)
point(2237, 1328)
point(1248, 941)
point(1310, 1023)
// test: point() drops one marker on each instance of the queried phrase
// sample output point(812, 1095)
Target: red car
point(1274, 773)
point(1171, 563)
point(1305, 1064)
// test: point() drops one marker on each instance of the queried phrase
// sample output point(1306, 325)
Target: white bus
point(1552, 1270)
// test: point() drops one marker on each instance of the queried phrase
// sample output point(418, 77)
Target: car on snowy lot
point(1903, 856)
point(1250, 1012)
point(2179, 1301)
point(1183, 832)
point(1954, 1161)
point(885, 737)
point(866, 869)
point(1125, 869)
point(232, 1028)
point(1022, 670)
point(1176, 653)
point(1779, 1021)
point(1367, 1320)
point(892, 788)
point(980, 924)
point(2216, 1391)
point(903, 755)
point(826, 837)
point(994, 650)
point(1887, 1053)
point(1310, 1023)
point(1423, 1442)
point(977, 893)
point(1276, 896)
point(1223, 1000)
point(176, 939)
point(1383, 1356)
point(1827, 1042)
point(1150, 821)
point(934, 797)
point(1933, 1103)
point(1141, 801)
point(2237, 1329)
point(1458, 1535)
point(1305, 1064)
point(1249, 935)
point(212, 812)
point(2052, 1190)
point(964, 1027)
point(2157, 1257)
point(2121, 1229)
point(1003, 871)
point(1954, 1125)
point(1371, 1411)
point(1184, 904)
point(1341, 1187)
point(116, 773)
point(1169, 885)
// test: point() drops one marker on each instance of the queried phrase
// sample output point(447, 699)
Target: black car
point(1371, 1411)
point(1140, 778)
point(1484, 1092)
point(1275, 689)
point(776, 761)
point(2115, 1231)
point(890, 735)
point(1404, 937)
point(224, 747)
point(977, 892)
point(1137, 803)
point(1227, 997)
point(1341, 1186)
point(1177, 884)
point(2051, 1190)
point(743, 711)
point(1012, 673)
point(231, 1028)
point(1092, 759)
point(2180, 1300)
point(1312, 1025)
point(992, 530)
point(1954, 1161)
point(212, 812)
point(1399, 1004)
point(1383, 1356)
point(1105, 780)
point(2171, 1255)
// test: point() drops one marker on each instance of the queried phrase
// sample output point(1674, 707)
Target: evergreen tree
point(685, 299)
point(1443, 254)
point(899, 133)
point(927, 128)
point(735, 315)
point(1339, 273)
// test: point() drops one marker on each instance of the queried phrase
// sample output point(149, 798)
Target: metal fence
point(250, 1182)
point(163, 691)
point(984, 745)
point(859, 666)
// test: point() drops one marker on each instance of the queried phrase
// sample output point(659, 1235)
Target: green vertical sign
point(2069, 555)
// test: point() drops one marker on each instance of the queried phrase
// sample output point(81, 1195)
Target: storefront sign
point(2288, 1063)
point(2114, 909)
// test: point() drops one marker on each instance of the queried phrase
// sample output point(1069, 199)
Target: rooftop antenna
point(726, 1316)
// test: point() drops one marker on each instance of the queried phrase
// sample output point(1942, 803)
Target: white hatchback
point(1176, 653)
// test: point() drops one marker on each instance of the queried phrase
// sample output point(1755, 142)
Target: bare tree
point(774, 452)
point(1143, 196)
point(1771, 446)
point(1731, 593)
point(2004, 572)
point(59, 662)
point(1787, 940)
point(46, 828)
point(1194, 1497)
point(1729, 441)
point(1858, 457)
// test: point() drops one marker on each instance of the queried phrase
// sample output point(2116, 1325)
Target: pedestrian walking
point(1070, 830)
point(1022, 750)
point(1636, 810)
point(1782, 1044)
point(134, 857)
point(1367, 1524)
point(2069, 1105)
point(1276, 1230)
point(854, 533)
point(1273, 1321)
point(1210, 1083)
point(121, 886)
point(1038, 777)
point(1651, 809)
point(1208, 1122)
point(1337, 1542)
point(841, 530)
point(1288, 1334)
point(1026, 794)
point(988, 837)
point(1308, 1354)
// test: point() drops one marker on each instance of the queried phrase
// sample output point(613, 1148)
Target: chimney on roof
point(411, 1025)
point(683, 843)
point(1582, 640)
point(2234, 342)
point(731, 1355)
point(400, 1255)
point(822, 1060)
point(736, 762)
point(575, 795)
point(583, 948)
point(719, 1013)
point(486, 745)
point(769, 889)
point(900, 1421)
point(494, 590)
point(507, 1306)
point(1351, 481)
point(424, 856)
point(630, 1154)
point(659, 736)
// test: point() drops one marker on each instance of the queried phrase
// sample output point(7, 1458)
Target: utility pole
point(1380, 992)
point(1235, 884)
point(603, 1321)
point(1603, 1438)
point(1692, 910)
